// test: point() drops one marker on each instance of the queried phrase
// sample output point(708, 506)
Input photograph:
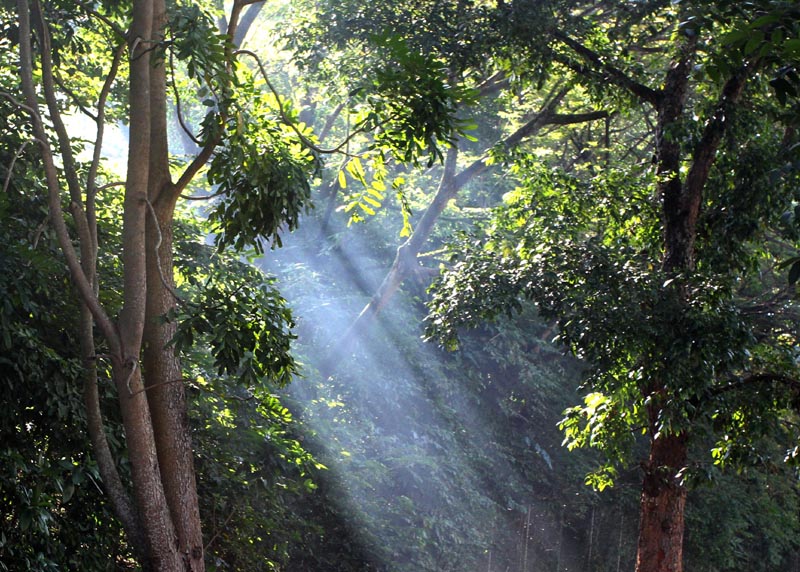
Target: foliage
point(436, 461)
point(239, 315)
point(50, 500)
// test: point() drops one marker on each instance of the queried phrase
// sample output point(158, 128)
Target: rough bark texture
point(162, 518)
point(663, 500)
point(117, 494)
point(661, 527)
point(167, 401)
point(149, 493)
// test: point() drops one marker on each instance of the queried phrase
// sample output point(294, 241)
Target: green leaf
point(763, 21)
point(753, 43)
point(735, 37)
point(792, 46)
point(794, 273)
point(69, 490)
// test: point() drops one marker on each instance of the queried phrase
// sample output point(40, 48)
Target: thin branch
point(17, 155)
point(450, 184)
point(74, 96)
point(203, 198)
point(178, 110)
point(610, 73)
point(38, 232)
point(220, 529)
point(291, 124)
point(246, 22)
point(100, 121)
point(233, 19)
point(118, 496)
point(17, 103)
point(122, 34)
point(64, 142)
point(133, 363)
point(493, 84)
point(754, 379)
point(706, 148)
point(80, 280)
point(109, 185)
point(194, 167)
point(169, 288)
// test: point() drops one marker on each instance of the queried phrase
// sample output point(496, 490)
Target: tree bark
point(163, 373)
point(162, 518)
point(663, 500)
point(661, 524)
point(149, 492)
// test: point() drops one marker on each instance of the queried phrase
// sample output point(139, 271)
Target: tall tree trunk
point(663, 499)
point(150, 498)
point(661, 523)
point(163, 374)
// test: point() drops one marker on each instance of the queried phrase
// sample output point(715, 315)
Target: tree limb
point(405, 262)
point(16, 156)
point(609, 72)
point(85, 288)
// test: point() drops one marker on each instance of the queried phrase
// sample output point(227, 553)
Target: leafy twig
point(291, 124)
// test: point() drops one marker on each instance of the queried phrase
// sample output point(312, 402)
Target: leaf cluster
point(239, 315)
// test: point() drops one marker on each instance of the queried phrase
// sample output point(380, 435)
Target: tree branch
point(609, 72)
point(82, 283)
point(755, 379)
point(246, 21)
point(166, 285)
point(100, 120)
point(287, 121)
point(450, 184)
point(64, 142)
point(121, 34)
point(16, 156)
point(117, 494)
point(178, 110)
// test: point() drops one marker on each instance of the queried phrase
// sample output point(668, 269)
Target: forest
point(422, 285)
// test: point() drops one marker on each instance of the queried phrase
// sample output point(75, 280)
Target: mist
point(429, 461)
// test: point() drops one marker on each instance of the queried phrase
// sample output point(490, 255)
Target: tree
point(162, 519)
point(655, 298)
point(259, 159)
point(468, 45)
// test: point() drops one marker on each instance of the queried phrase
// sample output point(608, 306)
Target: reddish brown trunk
point(662, 507)
point(663, 499)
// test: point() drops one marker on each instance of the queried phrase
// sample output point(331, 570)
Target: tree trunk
point(149, 494)
point(663, 500)
point(163, 374)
